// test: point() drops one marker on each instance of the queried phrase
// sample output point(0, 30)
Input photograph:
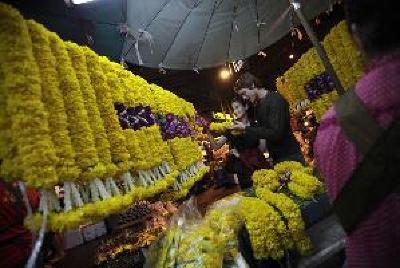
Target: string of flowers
point(54, 103)
point(292, 215)
point(116, 138)
point(185, 152)
point(290, 176)
point(78, 61)
point(220, 127)
point(111, 70)
point(344, 57)
point(79, 128)
point(35, 158)
point(267, 231)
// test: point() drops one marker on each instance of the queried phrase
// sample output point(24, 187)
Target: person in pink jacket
point(355, 150)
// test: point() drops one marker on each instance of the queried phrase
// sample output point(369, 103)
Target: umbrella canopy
point(196, 34)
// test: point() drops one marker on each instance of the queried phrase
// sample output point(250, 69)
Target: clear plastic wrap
point(189, 242)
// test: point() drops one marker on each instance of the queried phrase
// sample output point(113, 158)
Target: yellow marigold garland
point(267, 231)
point(299, 179)
point(292, 214)
point(79, 128)
point(116, 137)
point(220, 127)
point(185, 152)
point(53, 100)
point(111, 70)
point(78, 60)
point(35, 156)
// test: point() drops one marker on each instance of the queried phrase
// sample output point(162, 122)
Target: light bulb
point(291, 56)
point(224, 74)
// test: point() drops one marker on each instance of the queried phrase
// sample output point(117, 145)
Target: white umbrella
point(196, 34)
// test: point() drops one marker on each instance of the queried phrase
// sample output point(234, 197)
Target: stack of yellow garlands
point(58, 126)
point(346, 61)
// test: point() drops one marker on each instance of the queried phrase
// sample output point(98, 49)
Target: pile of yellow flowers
point(291, 213)
point(344, 57)
point(59, 127)
point(290, 176)
point(220, 127)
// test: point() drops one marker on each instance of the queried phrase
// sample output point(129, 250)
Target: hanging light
point(224, 74)
point(291, 56)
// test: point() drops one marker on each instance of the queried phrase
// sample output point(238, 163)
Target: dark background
point(205, 89)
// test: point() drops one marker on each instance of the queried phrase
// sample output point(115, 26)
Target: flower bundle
point(291, 213)
point(54, 103)
point(78, 60)
point(116, 137)
point(345, 59)
point(322, 104)
point(31, 148)
point(81, 134)
point(267, 231)
point(185, 152)
point(111, 70)
point(290, 176)
point(220, 127)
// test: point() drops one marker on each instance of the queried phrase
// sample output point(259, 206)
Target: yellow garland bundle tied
point(185, 151)
point(54, 102)
point(111, 70)
point(267, 231)
point(299, 179)
point(78, 60)
point(34, 155)
point(79, 128)
point(344, 57)
point(116, 137)
point(220, 127)
point(292, 214)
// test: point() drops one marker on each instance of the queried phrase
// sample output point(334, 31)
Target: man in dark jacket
point(272, 119)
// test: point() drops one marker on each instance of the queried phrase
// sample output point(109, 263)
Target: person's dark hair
point(246, 80)
point(375, 23)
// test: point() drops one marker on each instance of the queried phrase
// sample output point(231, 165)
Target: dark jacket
point(273, 125)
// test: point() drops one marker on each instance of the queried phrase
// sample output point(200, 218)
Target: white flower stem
point(77, 197)
point(102, 190)
point(67, 196)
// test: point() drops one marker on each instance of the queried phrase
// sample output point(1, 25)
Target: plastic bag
point(189, 242)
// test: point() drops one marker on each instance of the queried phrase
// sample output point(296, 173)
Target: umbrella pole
point(320, 50)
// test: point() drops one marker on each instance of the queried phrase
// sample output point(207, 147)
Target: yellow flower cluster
point(220, 127)
point(54, 103)
point(293, 175)
point(116, 137)
point(58, 125)
point(147, 147)
point(31, 148)
point(322, 104)
point(185, 151)
point(92, 212)
point(268, 234)
point(79, 128)
point(78, 61)
point(292, 214)
point(344, 57)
